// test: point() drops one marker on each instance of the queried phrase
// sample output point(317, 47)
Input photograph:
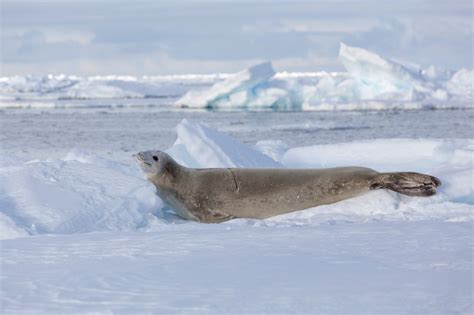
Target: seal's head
point(153, 162)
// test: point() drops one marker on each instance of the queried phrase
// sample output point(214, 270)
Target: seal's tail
point(407, 183)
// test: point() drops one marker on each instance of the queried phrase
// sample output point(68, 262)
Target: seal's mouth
point(141, 159)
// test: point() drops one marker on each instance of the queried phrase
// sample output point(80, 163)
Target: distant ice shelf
point(371, 82)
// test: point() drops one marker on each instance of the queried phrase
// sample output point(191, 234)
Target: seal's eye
point(155, 158)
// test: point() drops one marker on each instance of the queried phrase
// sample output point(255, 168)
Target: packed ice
point(370, 82)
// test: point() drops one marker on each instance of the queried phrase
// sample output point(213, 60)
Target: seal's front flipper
point(407, 183)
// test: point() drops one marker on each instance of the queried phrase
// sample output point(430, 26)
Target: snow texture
point(370, 82)
point(423, 267)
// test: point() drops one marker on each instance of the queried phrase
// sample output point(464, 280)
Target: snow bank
point(84, 192)
point(370, 82)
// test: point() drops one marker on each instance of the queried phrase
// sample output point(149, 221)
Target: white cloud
point(62, 36)
point(338, 25)
point(53, 35)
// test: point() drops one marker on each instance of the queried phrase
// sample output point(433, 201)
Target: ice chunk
point(371, 77)
point(369, 67)
point(462, 83)
point(374, 82)
point(202, 147)
point(238, 90)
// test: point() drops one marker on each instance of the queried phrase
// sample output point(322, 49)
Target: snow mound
point(73, 196)
point(86, 193)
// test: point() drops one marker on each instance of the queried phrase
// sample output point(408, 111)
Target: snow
point(78, 194)
point(384, 268)
point(370, 82)
point(87, 233)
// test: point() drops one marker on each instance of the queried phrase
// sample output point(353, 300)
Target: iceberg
point(252, 87)
point(370, 82)
point(373, 82)
point(368, 67)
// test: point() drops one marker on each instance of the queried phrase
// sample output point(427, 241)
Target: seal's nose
point(139, 156)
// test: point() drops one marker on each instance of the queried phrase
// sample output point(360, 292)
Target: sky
point(145, 37)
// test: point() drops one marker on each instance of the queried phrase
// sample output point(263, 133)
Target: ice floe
point(84, 192)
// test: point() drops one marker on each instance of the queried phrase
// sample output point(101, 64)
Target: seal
point(214, 195)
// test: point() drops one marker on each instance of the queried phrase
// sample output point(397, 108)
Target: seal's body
point(219, 194)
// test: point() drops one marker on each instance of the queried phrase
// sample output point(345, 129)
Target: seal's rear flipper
point(407, 183)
